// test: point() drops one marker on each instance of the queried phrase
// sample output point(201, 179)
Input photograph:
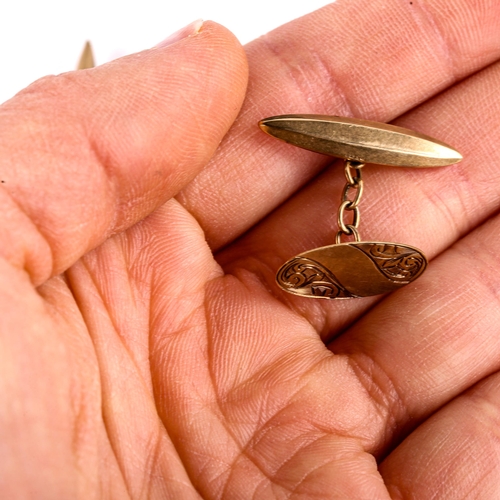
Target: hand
point(152, 356)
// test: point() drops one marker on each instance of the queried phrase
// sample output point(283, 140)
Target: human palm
point(136, 364)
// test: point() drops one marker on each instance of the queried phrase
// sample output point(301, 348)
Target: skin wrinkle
point(273, 479)
point(202, 470)
point(225, 472)
point(460, 380)
point(306, 474)
point(304, 86)
point(259, 375)
point(174, 443)
point(152, 277)
point(483, 278)
point(113, 190)
point(110, 316)
point(335, 86)
point(132, 359)
point(460, 224)
point(102, 386)
point(181, 330)
point(388, 403)
point(424, 347)
point(309, 474)
point(276, 472)
point(78, 397)
point(447, 52)
point(152, 459)
point(114, 450)
point(218, 408)
point(232, 470)
point(265, 427)
point(47, 247)
point(199, 489)
point(447, 469)
point(156, 457)
point(76, 440)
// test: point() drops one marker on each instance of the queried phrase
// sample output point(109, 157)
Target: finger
point(318, 65)
point(87, 154)
point(453, 455)
point(427, 208)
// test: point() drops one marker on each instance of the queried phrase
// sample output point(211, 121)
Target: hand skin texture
point(145, 351)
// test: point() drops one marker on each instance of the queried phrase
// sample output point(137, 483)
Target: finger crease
point(387, 400)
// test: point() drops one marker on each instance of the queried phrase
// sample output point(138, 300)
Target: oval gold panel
point(349, 270)
point(361, 140)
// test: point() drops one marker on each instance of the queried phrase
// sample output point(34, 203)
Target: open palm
point(145, 351)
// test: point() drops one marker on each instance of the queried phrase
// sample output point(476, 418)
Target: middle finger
point(374, 60)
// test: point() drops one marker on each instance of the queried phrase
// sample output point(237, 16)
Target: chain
point(354, 182)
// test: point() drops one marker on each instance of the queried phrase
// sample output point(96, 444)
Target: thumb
point(86, 154)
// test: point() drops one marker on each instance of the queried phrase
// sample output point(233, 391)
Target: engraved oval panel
point(361, 140)
point(348, 270)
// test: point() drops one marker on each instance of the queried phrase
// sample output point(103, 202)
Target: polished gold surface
point(361, 140)
point(87, 58)
point(351, 270)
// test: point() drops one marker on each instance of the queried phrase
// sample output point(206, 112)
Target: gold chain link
point(354, 182)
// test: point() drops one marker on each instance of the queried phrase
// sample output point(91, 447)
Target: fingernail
point(189, 30)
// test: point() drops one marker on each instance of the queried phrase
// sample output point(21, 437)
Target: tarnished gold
point(354, 182)
point(356, 268)
point(87, 58)
point(352, 231)
point(361, 140)
point(343, 227)
point(357, 197)
point(352, 171)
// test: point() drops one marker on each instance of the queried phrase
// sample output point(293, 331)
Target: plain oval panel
point(350, 270)
point(361, 140)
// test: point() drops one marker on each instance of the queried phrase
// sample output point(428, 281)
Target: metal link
point(354, 232)
point(352, 172)
point(345, 205)
point(357, 198)
point(356, 166)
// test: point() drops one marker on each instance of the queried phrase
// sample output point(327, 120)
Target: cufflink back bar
point(355, 268)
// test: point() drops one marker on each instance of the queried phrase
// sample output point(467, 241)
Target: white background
point(40, 37)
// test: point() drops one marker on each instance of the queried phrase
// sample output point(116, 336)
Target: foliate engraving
point(399, 263)
point(355, 269)
point(304, 276)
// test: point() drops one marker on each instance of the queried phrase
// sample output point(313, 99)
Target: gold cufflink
point(355, 268)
